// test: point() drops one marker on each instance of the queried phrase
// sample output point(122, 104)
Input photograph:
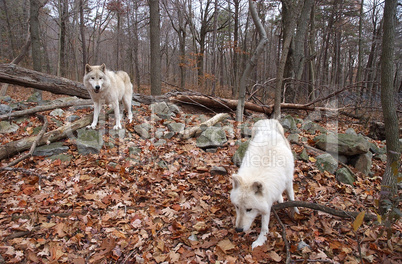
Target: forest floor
point(163, 205)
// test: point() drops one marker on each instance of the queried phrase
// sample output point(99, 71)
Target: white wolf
point(108, 87)
point(266, 171)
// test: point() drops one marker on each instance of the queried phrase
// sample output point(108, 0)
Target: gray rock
point(164, 110)
point(6, 127)
point(350, 131)
point(289, 123)
point(312, 127)
point(325, 162)
point(5, 109)
point(143, 130)
point(304, 155)
point(160, 142)
point(6, 98)
point(293, 138)
point(302, 245)
point(212, 137)
point(134, 150)
point(240, 152)
point(51, 149)
point(72, 118)
point(176, 127)
point(229, 130)
point(89, 141)
point(174, 108)
point(120, 133)
point(363, 163)
point(343, 144)
point(36, 97)
point(218, 171)
point(57, 112)
point(343, 175)
point(61, 157)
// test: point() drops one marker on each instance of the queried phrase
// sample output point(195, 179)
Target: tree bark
point(388, 95)
point(252, 62)
point(155, 47)
point(14, 147)
point(35, 5)
point(17, 75)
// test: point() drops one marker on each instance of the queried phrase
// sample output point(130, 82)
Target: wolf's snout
point(239, 229)
point(97, 87)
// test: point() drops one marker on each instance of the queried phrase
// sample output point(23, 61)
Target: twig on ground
point(288, 259)
point(38, 138)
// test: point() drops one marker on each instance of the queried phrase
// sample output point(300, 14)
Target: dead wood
point(41, 108)
point(14, 147)
point(195, 131)
point(13, 74)
point(38, 138)
point(323, 208)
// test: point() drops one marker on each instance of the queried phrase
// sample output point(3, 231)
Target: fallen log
point(13, 74)
point(197, 130)
point(41, 108)
point(14, 147)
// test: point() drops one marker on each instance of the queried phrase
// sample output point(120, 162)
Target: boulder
point(343, 144)
point(164, 110)
point(345, 176)
point(363, 162)
point(289, 124)
point(62, 157)
point(325, 162)
point(293, 138)
point(312, 127)
point(240, 152)
point(212, 137)
point(304, 155)
point(176, 127)
point(89, 141)
point(57, 112)
point(143, 130)
point(350, 131)
point(6, 127)
point(54, 148)
point(5, 109)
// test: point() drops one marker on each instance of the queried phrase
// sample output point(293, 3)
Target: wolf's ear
point(236, 181)
point(103, 67)
point(88, 68)
point(257, 187)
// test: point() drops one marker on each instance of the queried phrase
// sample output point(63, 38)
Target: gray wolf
point(108, 87)
point(265, 173)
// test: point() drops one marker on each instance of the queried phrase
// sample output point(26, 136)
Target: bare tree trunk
point(388, 95)
point(290, 26)
point(35, 5)
point(83, 39)
point(155, 47)
point(63, 15)
point(252, 62)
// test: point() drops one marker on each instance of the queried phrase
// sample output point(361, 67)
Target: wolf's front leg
point(116, 108)
point(264, 231)
point(97, 107)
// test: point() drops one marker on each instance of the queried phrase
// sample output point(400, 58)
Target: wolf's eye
point(100, 78)
point(93, 78)
point(248, 210)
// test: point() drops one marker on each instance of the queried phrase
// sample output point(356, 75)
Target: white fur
point(108, 87)
point(265, 173)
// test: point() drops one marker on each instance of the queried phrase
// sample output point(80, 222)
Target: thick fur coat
point(265, 173)
point(108, 87)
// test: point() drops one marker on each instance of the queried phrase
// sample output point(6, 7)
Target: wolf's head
point(95, 77)
point(248, 199)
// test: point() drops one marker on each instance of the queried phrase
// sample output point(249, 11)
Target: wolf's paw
point(91, 126)
point(259, 242)
point(117, 127)
point(296, 210)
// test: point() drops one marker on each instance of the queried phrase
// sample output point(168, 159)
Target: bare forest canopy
point(206, 44)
